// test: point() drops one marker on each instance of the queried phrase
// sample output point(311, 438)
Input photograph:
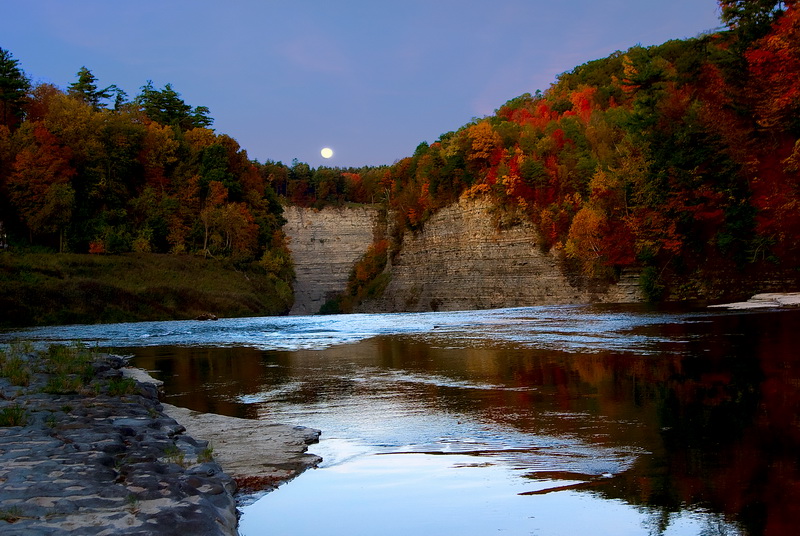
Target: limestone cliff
point(462, 259)
point(465, 259)
point(325, 244)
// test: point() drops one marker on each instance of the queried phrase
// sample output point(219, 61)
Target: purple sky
point(369, 78)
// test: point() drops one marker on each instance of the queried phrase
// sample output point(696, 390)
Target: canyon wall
point(325, 244)
point(466, 257)
point(463, 258)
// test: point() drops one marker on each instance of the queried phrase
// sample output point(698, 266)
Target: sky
point(371, 79)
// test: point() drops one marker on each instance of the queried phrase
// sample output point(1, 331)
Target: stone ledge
point(770, 300)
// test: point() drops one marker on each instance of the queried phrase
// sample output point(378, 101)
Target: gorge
point(467, 256)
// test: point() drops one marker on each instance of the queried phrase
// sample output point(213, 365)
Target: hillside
point(44, 289)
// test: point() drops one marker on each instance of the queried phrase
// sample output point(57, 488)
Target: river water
point(531, 421)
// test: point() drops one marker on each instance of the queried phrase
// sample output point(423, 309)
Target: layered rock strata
point(468, 256)
point(471, 256)
point(325, 244)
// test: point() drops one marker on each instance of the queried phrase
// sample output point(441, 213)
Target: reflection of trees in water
point(206, 379)
point(719, 418)
point(659, 520)
point(729, 426)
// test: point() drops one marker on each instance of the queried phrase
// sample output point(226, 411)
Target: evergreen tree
point(14, 87)
point(86, 89)
point(165, 106)
point(751, 19)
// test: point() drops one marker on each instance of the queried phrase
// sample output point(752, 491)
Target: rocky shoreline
point(87, 448)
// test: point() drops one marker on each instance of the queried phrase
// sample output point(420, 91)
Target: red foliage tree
point(39, 167)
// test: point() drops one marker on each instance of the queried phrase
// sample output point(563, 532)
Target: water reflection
point(699, 434)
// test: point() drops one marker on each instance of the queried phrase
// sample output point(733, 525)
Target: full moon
point(326, 152)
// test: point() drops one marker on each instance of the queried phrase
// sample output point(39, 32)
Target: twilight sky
point(369, 78)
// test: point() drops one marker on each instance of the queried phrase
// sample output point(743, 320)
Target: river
point(617, 420)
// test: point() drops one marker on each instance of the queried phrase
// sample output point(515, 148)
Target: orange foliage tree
point(38, 186)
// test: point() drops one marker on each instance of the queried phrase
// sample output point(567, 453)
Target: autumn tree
point(237, 231)
point(56, 212)
point(483, 143)
point(774, 65)
point(158, 150)
point(38, 186)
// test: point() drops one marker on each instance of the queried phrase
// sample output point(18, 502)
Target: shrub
point(10, 515)
point(206, 455)
point(13, 416)
point(174, 454)
point(652, 287)
point(63, 384)
point(64, 360)
point(122, 386)
point(15, 369)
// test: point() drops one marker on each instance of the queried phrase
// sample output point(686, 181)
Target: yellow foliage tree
point(483, 142)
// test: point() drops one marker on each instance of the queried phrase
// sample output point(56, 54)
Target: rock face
point(463, 259)
point(325, 244)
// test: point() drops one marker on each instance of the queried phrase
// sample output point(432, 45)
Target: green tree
point(86, 89)
point(750, 19)
point(14, 87)
point(56, 212)
point(165, 106)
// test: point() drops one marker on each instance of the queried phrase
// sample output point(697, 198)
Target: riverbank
point(259, 456)
point(85, 448)
point(48, 289)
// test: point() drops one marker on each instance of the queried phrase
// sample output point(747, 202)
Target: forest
point(681, 160)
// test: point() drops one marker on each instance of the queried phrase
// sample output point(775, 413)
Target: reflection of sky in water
point(382, 415)
point(424, 494)
point(565, 328)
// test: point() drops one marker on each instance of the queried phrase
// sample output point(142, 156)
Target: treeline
point(88, 171)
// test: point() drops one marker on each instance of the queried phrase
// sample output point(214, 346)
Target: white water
point(561, 328)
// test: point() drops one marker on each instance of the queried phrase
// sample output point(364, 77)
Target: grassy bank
point(43, 289)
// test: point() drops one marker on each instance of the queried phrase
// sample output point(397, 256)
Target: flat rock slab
point(256, 454)
point(765, 301)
